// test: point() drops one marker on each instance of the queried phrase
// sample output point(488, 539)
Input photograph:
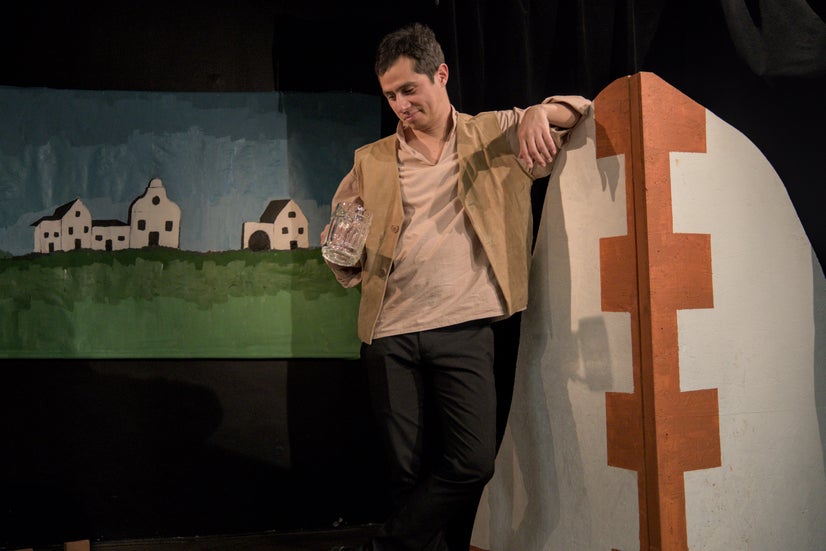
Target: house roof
point(273, 209)
point(59, 212)
point(108, 223)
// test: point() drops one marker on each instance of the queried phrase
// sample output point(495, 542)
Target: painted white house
point(154, 219)
point(282, 226)
point(69, 228)
point(110, 235)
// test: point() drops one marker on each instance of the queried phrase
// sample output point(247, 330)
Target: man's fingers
point(540, 151)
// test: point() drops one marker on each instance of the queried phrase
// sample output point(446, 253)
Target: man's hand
point(536, 145)
point(536, 142)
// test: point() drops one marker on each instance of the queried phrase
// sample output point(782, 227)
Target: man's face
point(419, 103)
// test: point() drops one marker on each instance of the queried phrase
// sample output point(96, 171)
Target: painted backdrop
point(223, 159)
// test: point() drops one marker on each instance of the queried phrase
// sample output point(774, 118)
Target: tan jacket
point(494, 189)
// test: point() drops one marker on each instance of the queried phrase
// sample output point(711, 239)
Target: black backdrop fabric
point(758, 65)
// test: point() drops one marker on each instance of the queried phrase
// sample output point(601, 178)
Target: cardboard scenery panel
point(174, 225)
point(669, 390)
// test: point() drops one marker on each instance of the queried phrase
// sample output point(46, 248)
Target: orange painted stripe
point(657, 431)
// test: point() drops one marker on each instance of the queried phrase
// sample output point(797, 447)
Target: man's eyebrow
point(402, 86)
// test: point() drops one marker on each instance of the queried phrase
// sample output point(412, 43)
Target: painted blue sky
point(221, 156)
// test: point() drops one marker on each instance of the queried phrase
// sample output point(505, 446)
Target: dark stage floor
point(321, 540)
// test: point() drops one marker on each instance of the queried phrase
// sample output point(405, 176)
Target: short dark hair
point(416, 41)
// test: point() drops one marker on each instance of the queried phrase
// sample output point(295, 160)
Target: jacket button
point(394, 228)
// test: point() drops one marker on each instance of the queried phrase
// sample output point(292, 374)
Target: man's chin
point(410, 122)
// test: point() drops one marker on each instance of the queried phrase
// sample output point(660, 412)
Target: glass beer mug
point(346, 235)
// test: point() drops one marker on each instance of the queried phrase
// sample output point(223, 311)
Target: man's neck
point(430, 142)
point(433, 134)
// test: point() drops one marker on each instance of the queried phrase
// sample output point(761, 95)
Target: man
point(447, 253)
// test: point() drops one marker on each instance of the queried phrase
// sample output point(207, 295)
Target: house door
point(154, 239)
point(259, 241)
point(77, 243)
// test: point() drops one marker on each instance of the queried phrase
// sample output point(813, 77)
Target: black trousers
point(434, 396)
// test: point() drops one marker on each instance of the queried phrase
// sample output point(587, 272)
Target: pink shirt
point(440, 275)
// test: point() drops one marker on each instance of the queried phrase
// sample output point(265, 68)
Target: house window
point(45, 235)
point(284, 230)
point(121, 238)
point(291, 214)
point(56, 234)
point(77, 214)
point(301, 231)
point(142, 225)
point(156, 200)
point(169, 225)
point(71, 230)
point(98, 238)
point(85, 229)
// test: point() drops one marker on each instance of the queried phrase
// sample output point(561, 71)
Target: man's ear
point(441, 74)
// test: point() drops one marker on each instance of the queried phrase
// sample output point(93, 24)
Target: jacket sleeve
point(576, 103)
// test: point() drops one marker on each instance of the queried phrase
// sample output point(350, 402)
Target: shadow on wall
point(109, 450)
point(553, 358)
point(819, 371)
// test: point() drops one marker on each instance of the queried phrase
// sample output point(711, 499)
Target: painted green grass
point(167, 303)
